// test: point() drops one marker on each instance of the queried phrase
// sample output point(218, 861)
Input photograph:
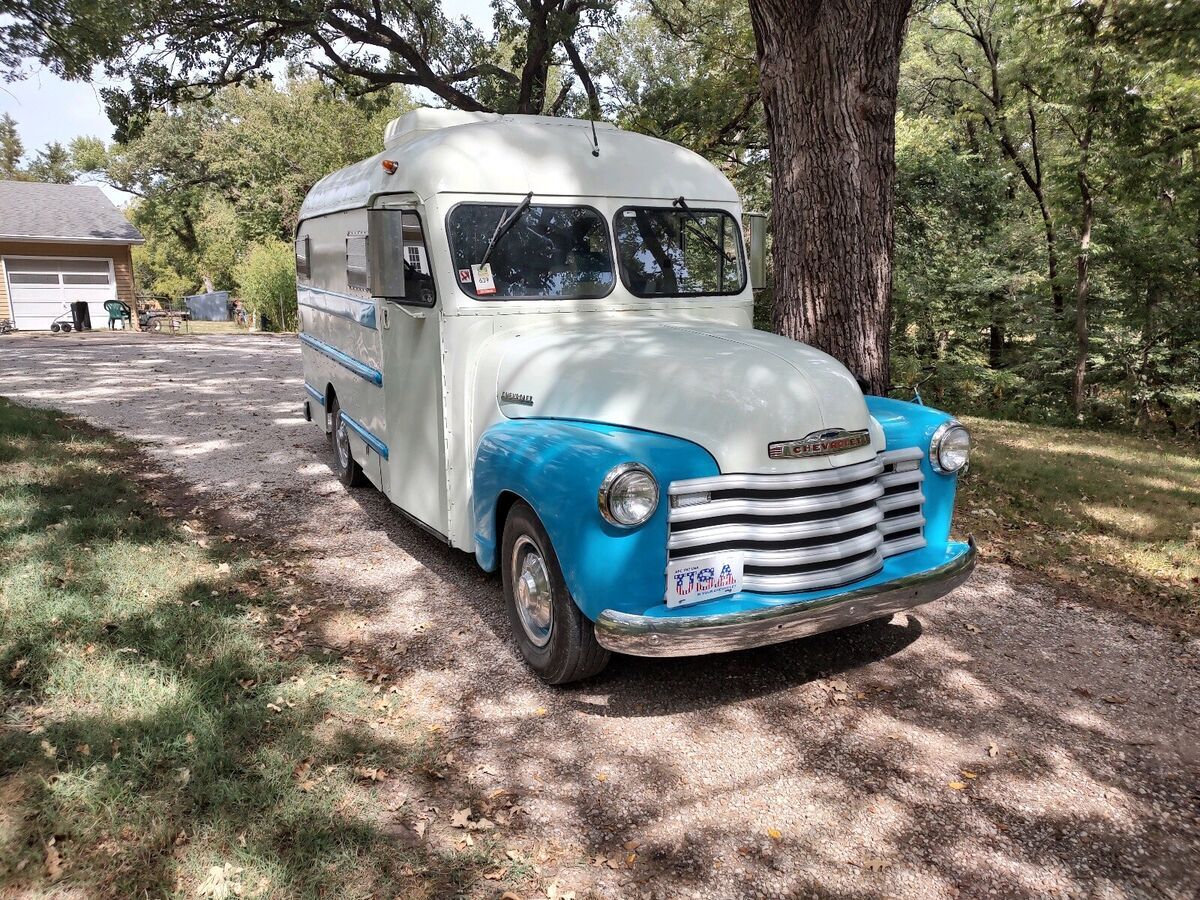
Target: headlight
point(629, 495)
point(950, 448)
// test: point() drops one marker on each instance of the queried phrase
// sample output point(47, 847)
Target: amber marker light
point(390, 166)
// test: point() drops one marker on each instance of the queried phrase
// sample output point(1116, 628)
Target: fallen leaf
point(509, 895)
point(973, 629)
point(223, 568)
point(632, 845)
point(48, 750)
point(462, 818)
point(540, 711)
point(602, 776)
point(1115, 699)
point(775, 834)
point(957, 785)
point(968, 774)
point(53, 861)
point(495, 875)
point(992, 750)
point(220, 882)
point(183, 776)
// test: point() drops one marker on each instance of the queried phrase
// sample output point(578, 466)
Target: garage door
point(40, 288)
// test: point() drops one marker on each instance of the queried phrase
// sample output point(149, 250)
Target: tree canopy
point(1047, 219)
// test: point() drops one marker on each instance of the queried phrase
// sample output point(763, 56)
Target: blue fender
point(911, 425)
point(557, 466)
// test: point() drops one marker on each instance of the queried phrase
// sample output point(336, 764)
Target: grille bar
point(715, 534)
point(807, 530)
point(811, 581)
point(746, 507)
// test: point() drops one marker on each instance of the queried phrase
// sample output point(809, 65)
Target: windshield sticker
point(464, 276)
point(483, 279)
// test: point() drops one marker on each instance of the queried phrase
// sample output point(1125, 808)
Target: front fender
point(912, 425)
point(557, 466)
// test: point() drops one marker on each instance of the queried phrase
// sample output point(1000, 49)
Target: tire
point(348, 471)
point(556, 639)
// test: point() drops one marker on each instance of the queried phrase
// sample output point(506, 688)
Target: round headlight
point(628, 495)
point(950, 448)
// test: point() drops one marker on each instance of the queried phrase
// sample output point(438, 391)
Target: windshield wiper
point(504, 226)
point(682, 204)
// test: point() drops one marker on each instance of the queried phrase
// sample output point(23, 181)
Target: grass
point(1115, 517)
point(153, 740)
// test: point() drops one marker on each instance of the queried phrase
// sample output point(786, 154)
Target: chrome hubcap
point(534, 596)
point(341, 438)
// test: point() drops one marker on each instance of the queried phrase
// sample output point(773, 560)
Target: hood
point(731, 390)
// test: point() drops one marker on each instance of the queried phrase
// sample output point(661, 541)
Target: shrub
point(266, 283)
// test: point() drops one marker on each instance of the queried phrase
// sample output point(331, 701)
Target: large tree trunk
point(829, 72)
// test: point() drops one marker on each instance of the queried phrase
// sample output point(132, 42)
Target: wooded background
point(1046, 200)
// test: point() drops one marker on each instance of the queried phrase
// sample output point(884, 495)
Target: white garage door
point(39, 289)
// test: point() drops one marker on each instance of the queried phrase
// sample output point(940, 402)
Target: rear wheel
point(348, 471)
point(556, 639)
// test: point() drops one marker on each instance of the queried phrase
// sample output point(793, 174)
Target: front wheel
point(555, 638)
point(348, 471)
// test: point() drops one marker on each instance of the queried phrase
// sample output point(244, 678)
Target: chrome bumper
point(696, 635)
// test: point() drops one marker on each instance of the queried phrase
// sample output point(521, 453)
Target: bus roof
point(449, 151)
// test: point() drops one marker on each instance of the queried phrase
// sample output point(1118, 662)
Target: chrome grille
point(803, 531)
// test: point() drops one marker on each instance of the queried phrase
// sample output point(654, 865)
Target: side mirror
point(758, 250)
point(385, 252)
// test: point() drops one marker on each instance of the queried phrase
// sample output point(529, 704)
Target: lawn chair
point(118, 311)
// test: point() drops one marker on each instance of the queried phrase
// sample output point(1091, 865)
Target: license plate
point(703, 578)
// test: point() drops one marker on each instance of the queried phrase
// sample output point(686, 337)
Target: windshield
point(556, 252)
point(669, 252)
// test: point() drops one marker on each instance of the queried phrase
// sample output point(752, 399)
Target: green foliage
point(266, 284)
point(11, 147)
point(211, 179)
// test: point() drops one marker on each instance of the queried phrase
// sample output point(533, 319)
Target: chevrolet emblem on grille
point(819, 443)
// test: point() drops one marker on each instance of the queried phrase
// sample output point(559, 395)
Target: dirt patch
point(1009, 739)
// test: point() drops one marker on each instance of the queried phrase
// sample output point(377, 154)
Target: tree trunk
point(1082, 289)
point(1082, 282)
point(829, 72)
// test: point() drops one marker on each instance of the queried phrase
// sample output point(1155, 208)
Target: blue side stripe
point(373, 442)
point(314, 393)
point(345, 306)
point(358, 367)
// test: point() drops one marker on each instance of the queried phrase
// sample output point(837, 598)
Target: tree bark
point(829, 71)
point(1086, 217)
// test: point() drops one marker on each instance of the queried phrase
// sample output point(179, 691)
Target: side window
point(358, 273)
point(303, 268)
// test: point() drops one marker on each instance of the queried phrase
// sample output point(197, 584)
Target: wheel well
point(504, 503)
point(330, 396)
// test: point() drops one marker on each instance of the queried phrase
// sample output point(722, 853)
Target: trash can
point(81, 315)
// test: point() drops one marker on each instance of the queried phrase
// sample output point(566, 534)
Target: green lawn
point(1111, 517)
point(152, 741)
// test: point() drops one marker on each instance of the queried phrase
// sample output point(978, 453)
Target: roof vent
point(419, 121)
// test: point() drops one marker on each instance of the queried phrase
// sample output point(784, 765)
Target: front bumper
point(696, 635)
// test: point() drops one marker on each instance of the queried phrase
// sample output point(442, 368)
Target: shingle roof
point(66, 212)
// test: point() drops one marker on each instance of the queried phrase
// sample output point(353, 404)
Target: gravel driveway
point(1005, 740)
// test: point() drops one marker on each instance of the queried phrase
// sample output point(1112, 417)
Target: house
point(60, 243)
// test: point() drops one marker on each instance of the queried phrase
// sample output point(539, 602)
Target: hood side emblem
point(819, 443)
point(512, 397)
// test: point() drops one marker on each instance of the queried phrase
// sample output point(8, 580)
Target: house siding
point(120, 255)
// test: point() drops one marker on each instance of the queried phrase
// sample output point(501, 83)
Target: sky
point(48, 109)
